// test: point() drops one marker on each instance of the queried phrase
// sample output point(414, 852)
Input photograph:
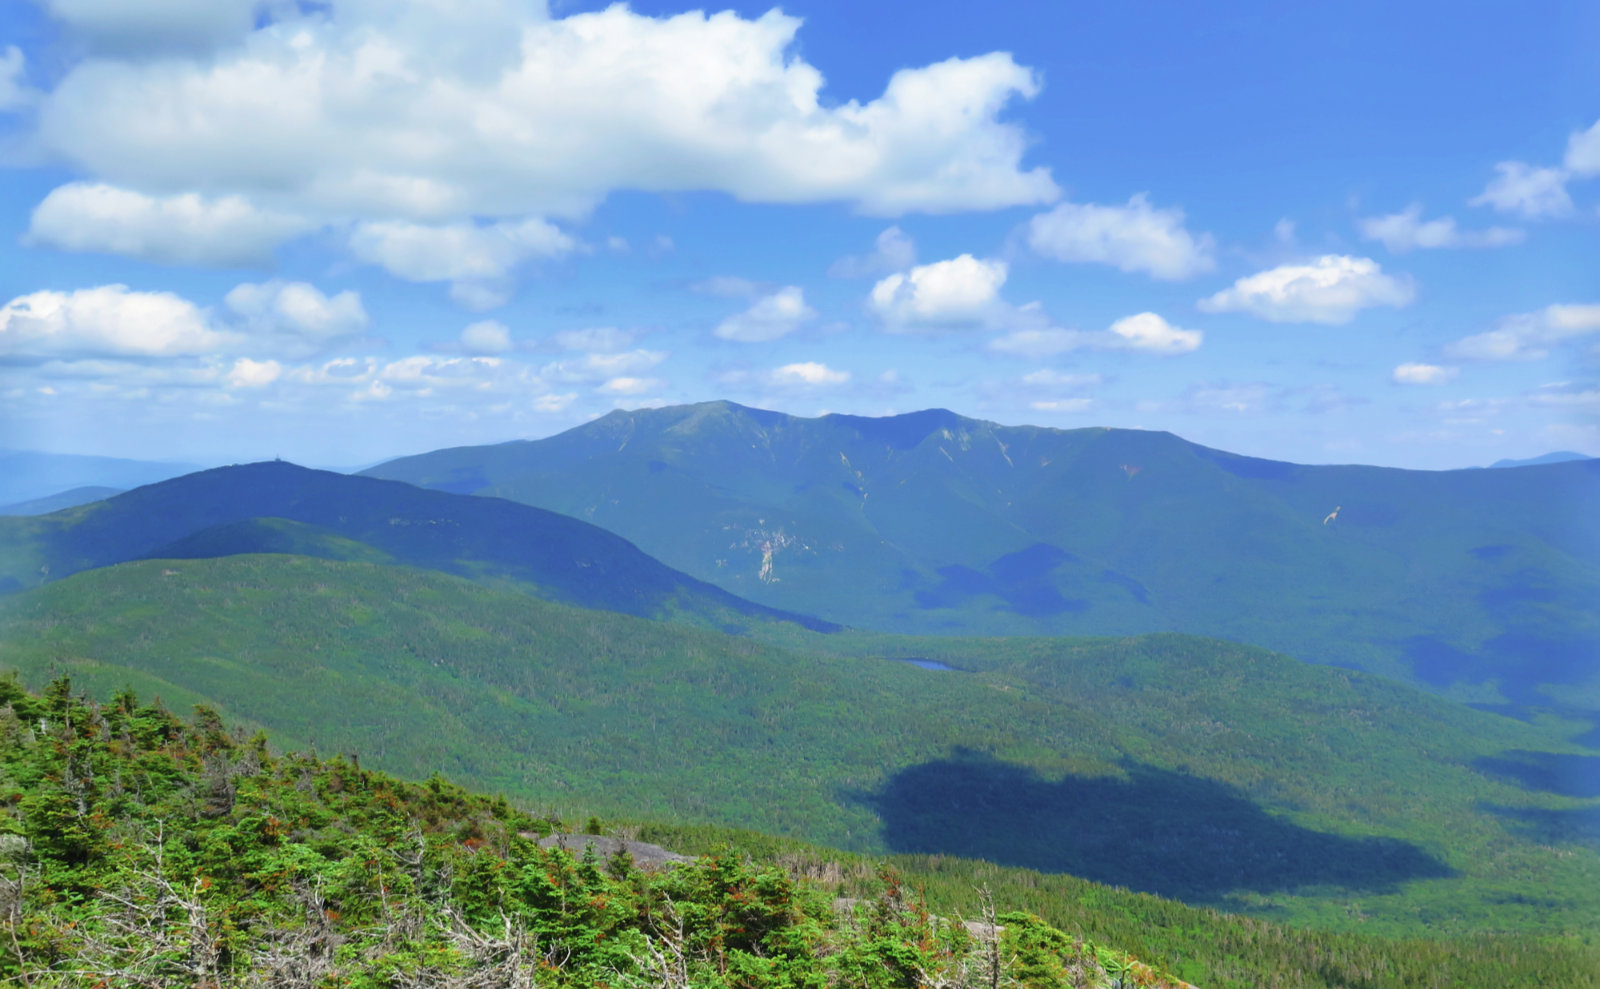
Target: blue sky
point(341, 231)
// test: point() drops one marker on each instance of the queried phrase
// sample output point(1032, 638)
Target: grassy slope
point(1229, 758)
point(1475, 583)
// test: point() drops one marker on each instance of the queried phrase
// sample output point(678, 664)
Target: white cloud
point(594, 339)
point(1528, 336)
point(1527, 191)
point(108, 320)
point(1070, 405)
point(298, 309)
point(1148, 332)
point(411, 110)
point(1583, 152)
point(247, 373)
point(1040, 342)
point(963, 291)
point(181, 229)
point(894, 250)
point(1331, 289)
point(475, 258)
point(595, 367)
point(554, 402)
point(1424, 374)
point(1135, 237)
point(1047, 378)
point(425, 373)
point(1565, 395)
point(1406, 230)
point(808, 374)
point(15, 93)
point(631, 386)
point(771, 317)
point(486, 337)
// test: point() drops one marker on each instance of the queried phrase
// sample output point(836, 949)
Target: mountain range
point(1478, 584)
point(442, 620)
point(277, 507)
point(26, 475)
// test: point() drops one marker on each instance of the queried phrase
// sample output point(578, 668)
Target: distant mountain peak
point(1558, 457)
point(906, 430)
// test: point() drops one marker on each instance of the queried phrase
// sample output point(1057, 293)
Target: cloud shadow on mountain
point(1155, 830)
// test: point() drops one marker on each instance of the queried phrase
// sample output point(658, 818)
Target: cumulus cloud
point(894, 250)
point(179, 229)
point(297, 309)
point(1583, 152)
point(1149, 332)
point(474, 258)
point(1146, 332)
point(961, 292)
point(771, 317)
point(486, 337)
point(596, 367)
point(808, 374)
point(631, 386)
point(110, 320)
point(1528, 336)
point(247, 373)
point(1135, 237)
point(1406, 230)
point(1330, 289)
point(506, 114)
point(1527, 191)
point(1424, 374)
point(1536, 192)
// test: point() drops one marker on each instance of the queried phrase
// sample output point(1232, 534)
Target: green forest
point(138, 849)
point(1215, 773)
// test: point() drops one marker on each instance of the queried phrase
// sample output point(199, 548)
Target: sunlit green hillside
point(1204, 770)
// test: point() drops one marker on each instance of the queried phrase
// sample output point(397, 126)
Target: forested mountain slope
point(1479, 584)
point(1212, 772)
point(276, 507)
point(140, 849)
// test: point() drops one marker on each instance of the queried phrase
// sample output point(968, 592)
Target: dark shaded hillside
point(281, 508)
point(1476, 583)
point(1222, 773)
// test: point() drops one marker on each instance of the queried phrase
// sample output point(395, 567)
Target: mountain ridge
point(934, 523)
point(278, 506)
